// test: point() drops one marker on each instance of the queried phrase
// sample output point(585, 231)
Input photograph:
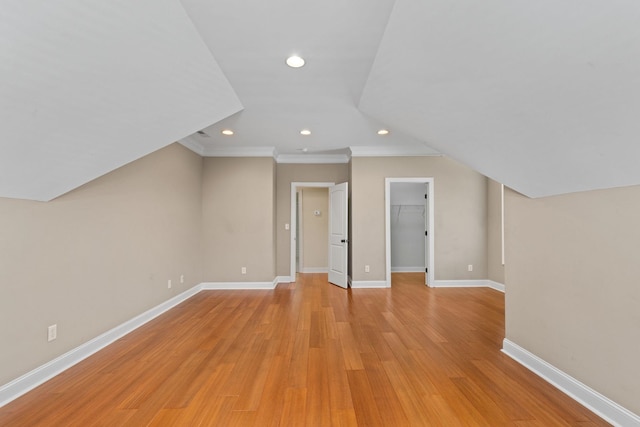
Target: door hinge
point(426, 233)
point(425, 196)
point(426, 270)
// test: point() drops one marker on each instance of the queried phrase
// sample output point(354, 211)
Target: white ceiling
point(87, 86)
point(539, 95)
point(338, 40)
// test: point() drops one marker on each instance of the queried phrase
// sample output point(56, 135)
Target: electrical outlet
point(244, 270)
point(52, 333)
point(169, 284)
point(470, 267)
point(367, 269)
point(286, 226)
point(182, 278)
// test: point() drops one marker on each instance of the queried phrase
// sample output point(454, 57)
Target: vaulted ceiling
point(542, 96)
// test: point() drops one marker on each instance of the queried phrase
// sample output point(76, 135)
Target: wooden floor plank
point(308, 353)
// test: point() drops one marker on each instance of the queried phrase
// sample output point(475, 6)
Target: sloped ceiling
point(87, 86)
point(540, 95)
point(338, 40)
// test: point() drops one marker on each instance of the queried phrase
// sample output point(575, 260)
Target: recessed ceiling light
point(383, 132)
point(305, 132)
point(227, 132)
point(295, 61)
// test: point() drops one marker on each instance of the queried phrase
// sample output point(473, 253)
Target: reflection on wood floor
point(308, 354)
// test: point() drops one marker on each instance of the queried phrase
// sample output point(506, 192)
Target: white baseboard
point(21, 385)
point(315, 270)
point(361, 284)
point(407, 269)
point(495, 285)
point(459, 284)
point(480, 283)
point(284, 279)
point(591, 399)
point(43, 373)
point(229, 286)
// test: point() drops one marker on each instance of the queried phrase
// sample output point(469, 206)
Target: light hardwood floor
point(308, 354)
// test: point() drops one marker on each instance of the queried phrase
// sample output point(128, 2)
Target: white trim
point(361, 284)
point(239, 152)
point(313, 158)
point(27, 382)
point(431, 238)
point(193, 145)
point(390, 151)
point(479, 283)
point(222, 286)
point(502, 221)
point(315, 270)
point(459, 284)
point(495, 285)
point(581, 393)
point(43, 373)
point(407, 269)
point(299, 227)
point(293, 221)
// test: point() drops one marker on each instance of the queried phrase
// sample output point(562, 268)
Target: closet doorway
point(409, 226)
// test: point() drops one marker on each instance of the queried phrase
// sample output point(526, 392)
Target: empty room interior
point(332, 213)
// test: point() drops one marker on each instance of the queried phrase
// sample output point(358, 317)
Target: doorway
point(409, 224)
point(312, 229)
point(296, 225)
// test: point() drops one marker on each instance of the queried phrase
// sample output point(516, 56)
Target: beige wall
point(238, 221)
point(285, 175)
point(97, 256)
point(573, 285)
point(315, 229)
point(460, 215)
point(495, 268)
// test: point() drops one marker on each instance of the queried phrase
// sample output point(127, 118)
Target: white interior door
point(426, 234)
point(338, 234)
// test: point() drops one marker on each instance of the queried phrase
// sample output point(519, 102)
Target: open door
point(426, 234)
point(338, 234)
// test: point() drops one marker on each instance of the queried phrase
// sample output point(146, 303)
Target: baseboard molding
point(407, 269)
point(230, 286)
point(495, 285)
point(362, 284)
point(586, 396)
point(315, 270)
point(43, 373)
point(459, 284)
point(27, 382)
point(481, 283)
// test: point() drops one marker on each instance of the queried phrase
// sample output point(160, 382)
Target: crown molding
point(192, 145)
point(313, 158)
point(239, 152)
point(307, 158)
point(392, 151)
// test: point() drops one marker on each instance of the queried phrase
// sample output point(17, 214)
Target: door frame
point(430, 236)
point(295, 186)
